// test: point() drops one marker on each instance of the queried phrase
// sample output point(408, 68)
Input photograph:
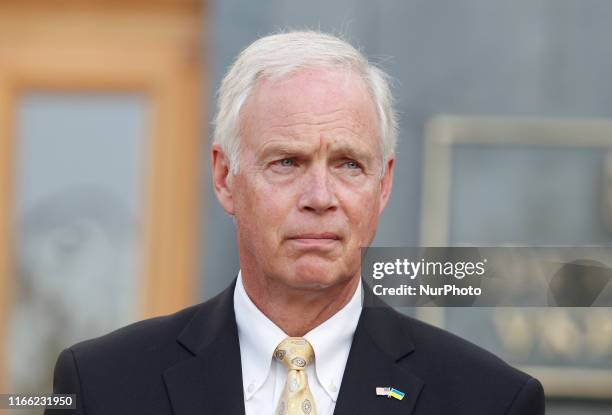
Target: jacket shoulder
point(123, 371)
point(139, 339)
point(466, 374)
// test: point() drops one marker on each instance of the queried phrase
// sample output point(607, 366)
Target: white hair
point(281, 54)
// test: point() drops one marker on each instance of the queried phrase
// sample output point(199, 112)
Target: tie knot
point(295, 353)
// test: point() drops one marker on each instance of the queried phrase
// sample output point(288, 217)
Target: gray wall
point(481, 57)
point(521, 57)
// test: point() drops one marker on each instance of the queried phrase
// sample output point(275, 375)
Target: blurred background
point(107, 214)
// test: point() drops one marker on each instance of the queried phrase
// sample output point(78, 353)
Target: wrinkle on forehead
point(343, 132)
point(320, 119)
point(312, 104)
point(332, 145)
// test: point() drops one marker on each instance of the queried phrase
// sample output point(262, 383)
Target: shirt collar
point(331, 342)
point(259, 336)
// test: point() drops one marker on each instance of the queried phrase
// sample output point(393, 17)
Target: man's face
point(308, 192)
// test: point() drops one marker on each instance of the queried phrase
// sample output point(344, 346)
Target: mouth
point(324, 235)
point(316, 240)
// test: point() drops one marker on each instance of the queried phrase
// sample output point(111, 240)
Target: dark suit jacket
point(188, 363)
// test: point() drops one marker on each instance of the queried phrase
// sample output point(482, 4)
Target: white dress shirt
point(264, 378)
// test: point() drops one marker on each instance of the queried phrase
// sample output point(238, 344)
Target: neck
point(298, 311)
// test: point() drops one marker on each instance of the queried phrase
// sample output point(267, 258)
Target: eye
point(284, 165)
point(286, 162)
point(352, 164)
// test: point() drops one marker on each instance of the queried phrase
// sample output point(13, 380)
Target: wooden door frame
point(155, 52)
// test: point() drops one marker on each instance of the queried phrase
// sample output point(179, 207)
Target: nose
point(318, 195)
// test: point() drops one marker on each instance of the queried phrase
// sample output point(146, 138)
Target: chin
point(316, 274)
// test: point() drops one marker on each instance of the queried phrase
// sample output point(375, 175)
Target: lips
point(319, 241)
point(314, 236)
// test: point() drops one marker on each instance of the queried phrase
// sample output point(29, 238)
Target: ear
point(222, 180)
point(386, 184)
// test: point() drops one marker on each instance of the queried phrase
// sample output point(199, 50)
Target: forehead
point(311, 100)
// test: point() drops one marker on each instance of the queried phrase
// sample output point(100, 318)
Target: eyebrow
point(282, 147)
point(285, 147)
point(354, 152)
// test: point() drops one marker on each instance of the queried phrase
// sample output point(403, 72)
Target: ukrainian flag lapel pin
point(390, 393)
point(394, 393)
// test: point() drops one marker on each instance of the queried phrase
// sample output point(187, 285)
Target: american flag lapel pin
point(383, 391)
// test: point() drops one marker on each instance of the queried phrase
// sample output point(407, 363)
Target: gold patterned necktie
point(295, 353)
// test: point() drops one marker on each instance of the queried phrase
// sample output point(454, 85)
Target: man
point(303, 160)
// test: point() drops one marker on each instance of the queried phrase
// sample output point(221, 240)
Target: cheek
point(261, 209)
point(362, 207)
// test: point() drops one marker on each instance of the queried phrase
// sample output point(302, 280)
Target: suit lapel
point(210, 381)
point(378, 358)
